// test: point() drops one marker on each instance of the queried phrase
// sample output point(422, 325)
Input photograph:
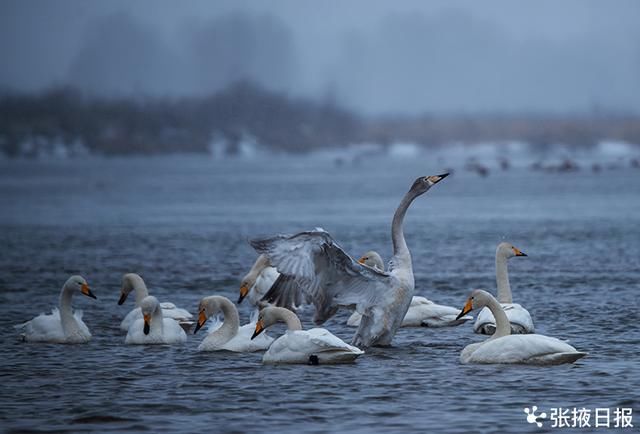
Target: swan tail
point(559, 358)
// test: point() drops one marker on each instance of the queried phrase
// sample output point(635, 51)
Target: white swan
point(133, 282)
point(421, 313)
point(330, 278)
point(504, 347)
point(257, 281)
point(315, 346)
point(63, 326)
point(153, 327)
point(229, 336)
point(519, 317)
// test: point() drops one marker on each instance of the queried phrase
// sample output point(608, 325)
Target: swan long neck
point(157, 320)
point(65, 303)
point(502, 279)
point(401, 255)
point(140, 288)
point(261, 263)
point(503, 326)
point(290, 318)
point(230, 325)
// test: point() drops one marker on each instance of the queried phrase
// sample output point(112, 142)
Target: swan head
point(245, 285)
point(266, 318)
point(424, 183)
point(129, 283)
point(477, 300)
point(77, 283)
point(149, 306)
point(372, 259)
point(207, 307)
point(507, 250)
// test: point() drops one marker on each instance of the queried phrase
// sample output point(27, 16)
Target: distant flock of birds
point(310, 268)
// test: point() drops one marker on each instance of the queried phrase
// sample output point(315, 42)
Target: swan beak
point(518, 252)
point(244, 290)
point(437, 178)
point(123, 298)
point(468, 307)
point(87, 291)
point(202, 318)
point(147, 320)
point(361, 261)
point(259, 329)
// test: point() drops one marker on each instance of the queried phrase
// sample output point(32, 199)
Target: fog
point(373, 57)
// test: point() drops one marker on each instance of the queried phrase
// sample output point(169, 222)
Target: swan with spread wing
point(314, 263)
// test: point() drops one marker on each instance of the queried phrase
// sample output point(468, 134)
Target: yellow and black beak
point(361, 260)
point(244, 290)
point(87, 291)
point(147, 322)
point(437, 178)
point(202, 318)
point(468, 307)
point(518, 252)
point(123, 298)
point(259, 329)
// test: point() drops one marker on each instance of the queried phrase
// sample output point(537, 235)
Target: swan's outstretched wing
point(285, 292)
point(326, 275)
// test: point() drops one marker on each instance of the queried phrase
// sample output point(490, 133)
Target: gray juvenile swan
point(330, 278)
point(519, 317)
point(422, 312)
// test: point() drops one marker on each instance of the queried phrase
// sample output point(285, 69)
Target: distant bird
point(330, 278)
point(63, 325)
point(504, 347)
point(519, 317)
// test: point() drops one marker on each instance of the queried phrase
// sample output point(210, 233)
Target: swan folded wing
point(328, 276)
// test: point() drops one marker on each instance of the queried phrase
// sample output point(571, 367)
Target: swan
point(229, 336)
point(133, 282)
point(315, 346)
point(330, 278)
point(63, 325)
point(153, 327)
point(421, 313)
point(257, 281)
point(504, 347)
point(519, 317)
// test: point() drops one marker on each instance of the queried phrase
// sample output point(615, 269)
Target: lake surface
point(182, 223)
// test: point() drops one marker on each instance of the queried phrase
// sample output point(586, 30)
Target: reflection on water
point(183, 222)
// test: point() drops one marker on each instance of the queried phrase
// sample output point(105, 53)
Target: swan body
point(63, 325)
point(421, 313)
point(153, 327)
point(519, 317)
point(229, 336)
point(133, 282)
point(315, 263)
point(503, 347)
point(315, 346)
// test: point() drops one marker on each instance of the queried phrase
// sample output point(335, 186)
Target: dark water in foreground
point(183, 223)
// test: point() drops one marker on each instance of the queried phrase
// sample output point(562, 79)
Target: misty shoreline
point(245, 117)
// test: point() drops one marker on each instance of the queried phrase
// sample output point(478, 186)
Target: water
point(183, 222)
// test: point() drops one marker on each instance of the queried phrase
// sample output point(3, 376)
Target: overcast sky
point(377, 57)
